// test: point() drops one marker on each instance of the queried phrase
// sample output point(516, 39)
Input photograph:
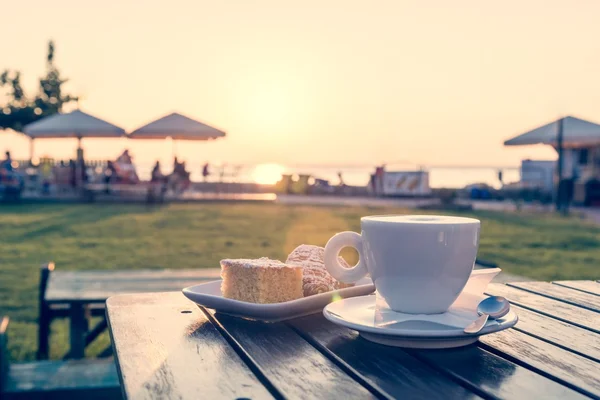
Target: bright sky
point(318, 82)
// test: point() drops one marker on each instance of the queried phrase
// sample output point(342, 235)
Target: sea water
point(450, 177)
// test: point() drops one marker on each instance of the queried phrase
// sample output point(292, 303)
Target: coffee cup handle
point(332, 252)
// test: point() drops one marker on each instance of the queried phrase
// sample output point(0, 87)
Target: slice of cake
point(260, 281)
point(316, 279)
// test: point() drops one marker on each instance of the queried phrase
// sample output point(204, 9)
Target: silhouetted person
point(73, 173)
point(179, 180)
point(7, 163)
point(110, 174)
point(205, 172)
point(125, 168)
point(125, 158)
point(157, 175)
point(82, 171)
point(178, 167)
point(341, 179)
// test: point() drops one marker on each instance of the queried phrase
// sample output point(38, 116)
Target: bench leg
point(45, 317)
point(43, 333)
point(78, 331)
point(96, 331)
point(107, 352)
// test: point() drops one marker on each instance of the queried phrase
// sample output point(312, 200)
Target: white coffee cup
point(419, 263)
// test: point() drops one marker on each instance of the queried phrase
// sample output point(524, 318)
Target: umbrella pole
point(560, 186)
point(31, 151)
point(78, 163)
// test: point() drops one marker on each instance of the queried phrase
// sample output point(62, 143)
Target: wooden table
point(167, 347)
point(80, 291)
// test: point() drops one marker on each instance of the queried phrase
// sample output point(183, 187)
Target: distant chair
point(293, 184)
point(284, 184)
point(301, 186)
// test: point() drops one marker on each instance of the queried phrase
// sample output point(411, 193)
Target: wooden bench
point(50, 311)
point(48, 380)
point(79, 295)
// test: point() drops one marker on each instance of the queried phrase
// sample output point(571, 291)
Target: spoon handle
point(477, 325)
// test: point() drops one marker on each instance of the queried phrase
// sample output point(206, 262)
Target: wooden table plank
point(577, 372)
point(295, 367)
point(570, 337)
point(592, 287)
point(494, 375)
point(97, 286)
point(557, 309)
point(388, 369)
point(165, 347)
point(568, 295)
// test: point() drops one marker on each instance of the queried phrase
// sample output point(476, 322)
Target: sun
point(267, 174)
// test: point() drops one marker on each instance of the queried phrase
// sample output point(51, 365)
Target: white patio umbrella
point(576, 132)
point(177, 127)
point(75, 124)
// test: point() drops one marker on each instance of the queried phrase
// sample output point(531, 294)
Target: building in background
point(400, 183)
point(538, 174)
point(580, 158)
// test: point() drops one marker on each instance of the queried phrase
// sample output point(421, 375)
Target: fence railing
point(54, 162)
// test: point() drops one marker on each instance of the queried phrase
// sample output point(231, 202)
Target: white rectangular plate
point(209, 295)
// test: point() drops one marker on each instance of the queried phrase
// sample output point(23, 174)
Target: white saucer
point(374, 321)
point(209, 295)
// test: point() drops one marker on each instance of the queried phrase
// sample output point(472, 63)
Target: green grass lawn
point(199, 235)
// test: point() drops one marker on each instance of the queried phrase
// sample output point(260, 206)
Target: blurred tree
point(18, 110)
